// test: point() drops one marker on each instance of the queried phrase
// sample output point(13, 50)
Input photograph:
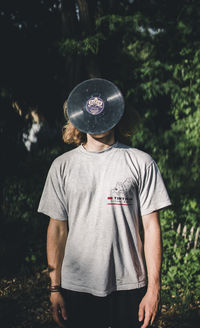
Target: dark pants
point(117, 310)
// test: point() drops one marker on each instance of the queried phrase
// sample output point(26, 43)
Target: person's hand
point(58, 308)
point(148, 307)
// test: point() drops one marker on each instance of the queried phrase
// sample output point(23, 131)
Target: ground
point(24, 303)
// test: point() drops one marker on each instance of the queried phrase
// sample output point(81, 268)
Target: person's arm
point(56, 240)
point(153, 256)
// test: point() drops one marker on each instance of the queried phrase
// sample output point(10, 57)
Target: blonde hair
point(71, 135)
point(123, 130)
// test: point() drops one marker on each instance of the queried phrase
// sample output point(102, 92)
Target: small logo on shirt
point(121, 194)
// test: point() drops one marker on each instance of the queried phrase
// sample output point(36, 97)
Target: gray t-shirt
point(102, 196)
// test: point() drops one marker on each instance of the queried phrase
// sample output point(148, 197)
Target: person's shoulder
point(138, 155)
point(65, 157)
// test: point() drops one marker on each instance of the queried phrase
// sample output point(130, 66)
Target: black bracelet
point(56, 288)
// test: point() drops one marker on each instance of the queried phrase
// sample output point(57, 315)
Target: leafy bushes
point(22, 233)
point(23, 230)
point(181, 270)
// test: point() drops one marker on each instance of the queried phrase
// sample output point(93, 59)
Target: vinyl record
point(95, 106)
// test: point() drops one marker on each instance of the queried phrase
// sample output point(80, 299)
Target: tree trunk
point(88, 28)
point(84, 17)
point(69, 19)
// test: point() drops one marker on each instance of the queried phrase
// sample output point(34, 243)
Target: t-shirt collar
point(82, 148)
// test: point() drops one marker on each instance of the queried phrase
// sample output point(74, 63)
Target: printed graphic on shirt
point(122, 193)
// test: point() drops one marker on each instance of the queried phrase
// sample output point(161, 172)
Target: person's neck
point(98, 143)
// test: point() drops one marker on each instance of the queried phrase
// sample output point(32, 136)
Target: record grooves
point(95, 106)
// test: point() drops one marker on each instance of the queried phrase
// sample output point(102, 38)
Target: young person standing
point(97, 196)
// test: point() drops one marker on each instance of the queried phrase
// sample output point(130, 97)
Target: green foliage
point(180, 270)
point(23, 230)
point(89, 45)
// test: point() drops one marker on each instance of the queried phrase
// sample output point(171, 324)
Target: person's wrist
point(154, 287)
point(55, 288)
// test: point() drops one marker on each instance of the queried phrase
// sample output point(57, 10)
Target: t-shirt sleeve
point(52, 202)
point(153, 195)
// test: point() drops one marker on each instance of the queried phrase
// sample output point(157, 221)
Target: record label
point(95, 105)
